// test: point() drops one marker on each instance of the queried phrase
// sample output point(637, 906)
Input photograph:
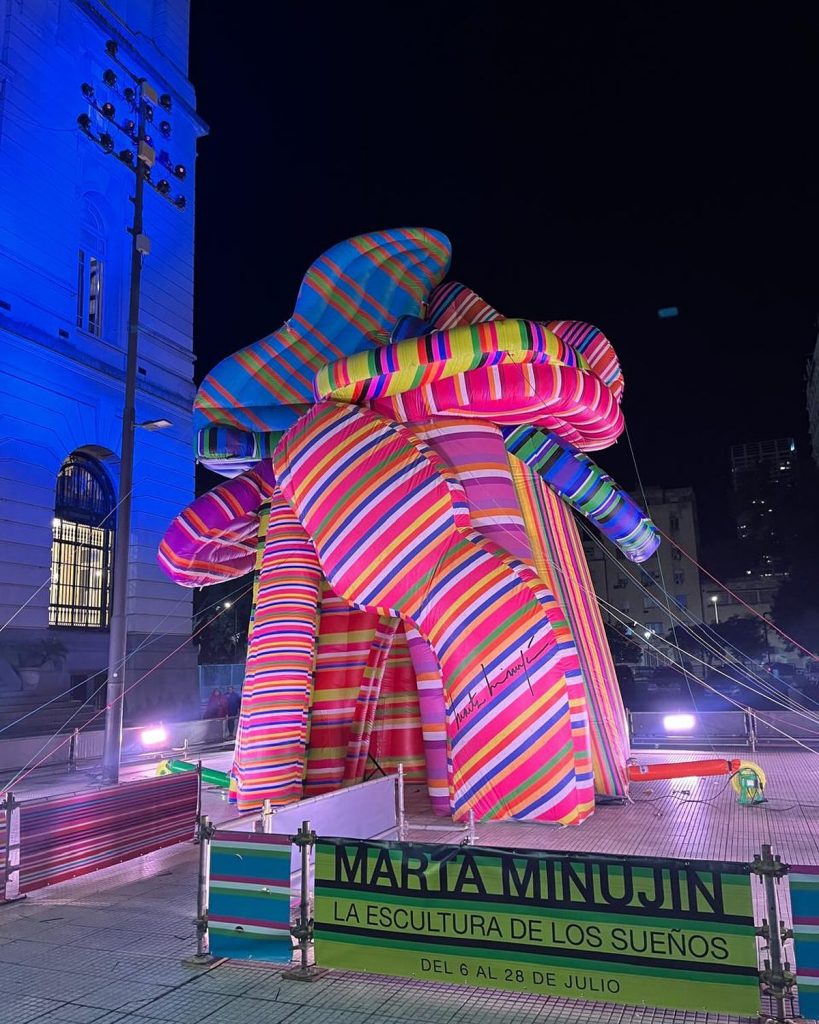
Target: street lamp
point(139, 157)
point(715, 602)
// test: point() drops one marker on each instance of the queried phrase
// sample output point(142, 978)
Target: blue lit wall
point(61, 388)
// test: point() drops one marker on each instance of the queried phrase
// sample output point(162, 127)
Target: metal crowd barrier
point(750, 728)
point(281, 936)
point(53, 839)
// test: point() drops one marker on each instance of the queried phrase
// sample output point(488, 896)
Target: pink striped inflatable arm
point(214, 538)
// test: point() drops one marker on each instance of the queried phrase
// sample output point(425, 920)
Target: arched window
point(90, 271)
point(82, 545)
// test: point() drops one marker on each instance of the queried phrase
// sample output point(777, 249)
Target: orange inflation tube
point(681, 769)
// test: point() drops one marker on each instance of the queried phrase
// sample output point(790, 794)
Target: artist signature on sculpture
point(476, 702)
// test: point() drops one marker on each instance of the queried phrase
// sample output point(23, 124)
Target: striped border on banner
point(73, 835)
point(804, 888)
point(249, 909)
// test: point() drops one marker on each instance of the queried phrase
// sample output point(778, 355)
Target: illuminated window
point(90, 273)
point(82, 545)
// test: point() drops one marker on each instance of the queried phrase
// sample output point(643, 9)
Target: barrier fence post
point(402, 820)
point(11, 874)
point(776, 975)
point(305, 838)
point(198, 818)
point(72, 751)
point(202, 956)
point(750, 719)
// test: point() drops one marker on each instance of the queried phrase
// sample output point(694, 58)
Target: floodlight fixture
point(679, 723)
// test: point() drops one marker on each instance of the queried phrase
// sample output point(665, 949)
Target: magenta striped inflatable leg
point(432, 708)
point(270, 747)
point(393, 534)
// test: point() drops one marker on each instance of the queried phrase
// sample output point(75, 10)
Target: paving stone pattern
point(109, 948)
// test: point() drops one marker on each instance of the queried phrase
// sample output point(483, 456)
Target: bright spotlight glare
point(150, 737)
point(679, 723)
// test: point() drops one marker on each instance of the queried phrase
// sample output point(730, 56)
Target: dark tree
point(623, 648)
point(796, 606)
point(743, 636)
point(220, 622)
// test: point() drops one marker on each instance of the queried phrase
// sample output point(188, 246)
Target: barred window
point(82, 545)
point(90, 265)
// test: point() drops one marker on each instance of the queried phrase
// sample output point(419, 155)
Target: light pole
point(139, 157)
point(715, 602)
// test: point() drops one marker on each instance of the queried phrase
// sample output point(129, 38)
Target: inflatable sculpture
point(404, 467)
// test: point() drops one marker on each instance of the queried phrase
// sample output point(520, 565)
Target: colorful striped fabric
point(432, 714)
point(249, 903)
point(354, 290)
point(396, 737)
point(352, 661)
point(369, 692)
point(515, 709)
point(4, 849)
point(475, 453)
point(561, 564)
point(803, 882)
point(67, 836)
point(452, 304)
point(272, 735)
point(506, 371)
point(588, 489)
point(214, 538)
point(402, 674)
point(595, 348)
point(230, 451)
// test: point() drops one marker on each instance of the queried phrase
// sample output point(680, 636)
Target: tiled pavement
point(109, 948)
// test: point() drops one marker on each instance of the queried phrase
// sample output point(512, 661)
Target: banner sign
point(249, 912)
point(804, 886)
point(665, 933)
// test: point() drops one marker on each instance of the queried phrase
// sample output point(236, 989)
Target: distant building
point(65, 212)
point(813, 401)
point(750, 597)
point(637, 593)
point(764, 478)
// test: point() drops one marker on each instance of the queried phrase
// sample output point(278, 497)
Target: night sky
point(591, 161)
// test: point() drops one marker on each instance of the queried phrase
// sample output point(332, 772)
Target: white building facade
point(65, 260)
